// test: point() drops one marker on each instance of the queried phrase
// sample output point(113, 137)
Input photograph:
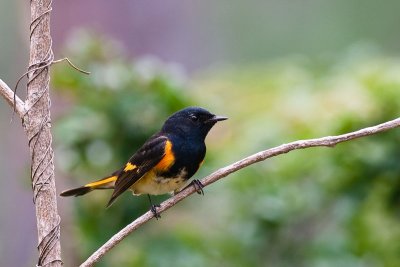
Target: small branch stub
point(9, 96)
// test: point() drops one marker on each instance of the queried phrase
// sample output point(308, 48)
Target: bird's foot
point(153, 209)
point(198, 186)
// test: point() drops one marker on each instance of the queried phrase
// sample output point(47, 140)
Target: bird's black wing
point(139, 164)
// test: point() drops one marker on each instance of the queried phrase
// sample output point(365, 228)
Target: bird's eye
point(194, 117)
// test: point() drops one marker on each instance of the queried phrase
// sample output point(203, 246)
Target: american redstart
point(166, 160)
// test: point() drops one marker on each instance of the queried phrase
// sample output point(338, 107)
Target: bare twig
point(328, 141)
point(50, 61)
point(8, 95)
point(71, 64)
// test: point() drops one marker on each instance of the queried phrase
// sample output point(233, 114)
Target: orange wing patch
point(129, 166)
point(168, 159)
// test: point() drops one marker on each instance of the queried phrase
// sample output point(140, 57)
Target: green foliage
point(315, 207)
point(114, 110)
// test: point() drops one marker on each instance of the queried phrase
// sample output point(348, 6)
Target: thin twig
point(71, 64)
point(12, 99)
point(328, 141)
point(46, 64)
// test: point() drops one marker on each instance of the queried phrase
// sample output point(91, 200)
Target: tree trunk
point(37, 125)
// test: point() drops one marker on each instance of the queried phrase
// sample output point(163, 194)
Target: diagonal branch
point(328, 141)
point(8, 95)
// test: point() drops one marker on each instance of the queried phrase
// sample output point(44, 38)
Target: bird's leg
point(198, 186)
point(153, 208)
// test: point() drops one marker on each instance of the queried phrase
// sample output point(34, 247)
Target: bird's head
point(192, 122)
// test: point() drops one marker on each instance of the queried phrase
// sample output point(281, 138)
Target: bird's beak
point(217, 118)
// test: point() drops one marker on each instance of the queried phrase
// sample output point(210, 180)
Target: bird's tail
point(105, 183)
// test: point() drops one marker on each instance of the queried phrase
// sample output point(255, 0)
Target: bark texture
point(37, 123)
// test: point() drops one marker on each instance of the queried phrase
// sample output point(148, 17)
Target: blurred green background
point(281, 71)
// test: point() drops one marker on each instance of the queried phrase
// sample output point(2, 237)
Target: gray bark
point(37, 123)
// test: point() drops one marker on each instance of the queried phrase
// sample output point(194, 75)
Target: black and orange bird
point(165, 162)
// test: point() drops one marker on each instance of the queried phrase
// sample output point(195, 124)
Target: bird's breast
point(182, 158)
point(188, 155)
point(154, 184)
